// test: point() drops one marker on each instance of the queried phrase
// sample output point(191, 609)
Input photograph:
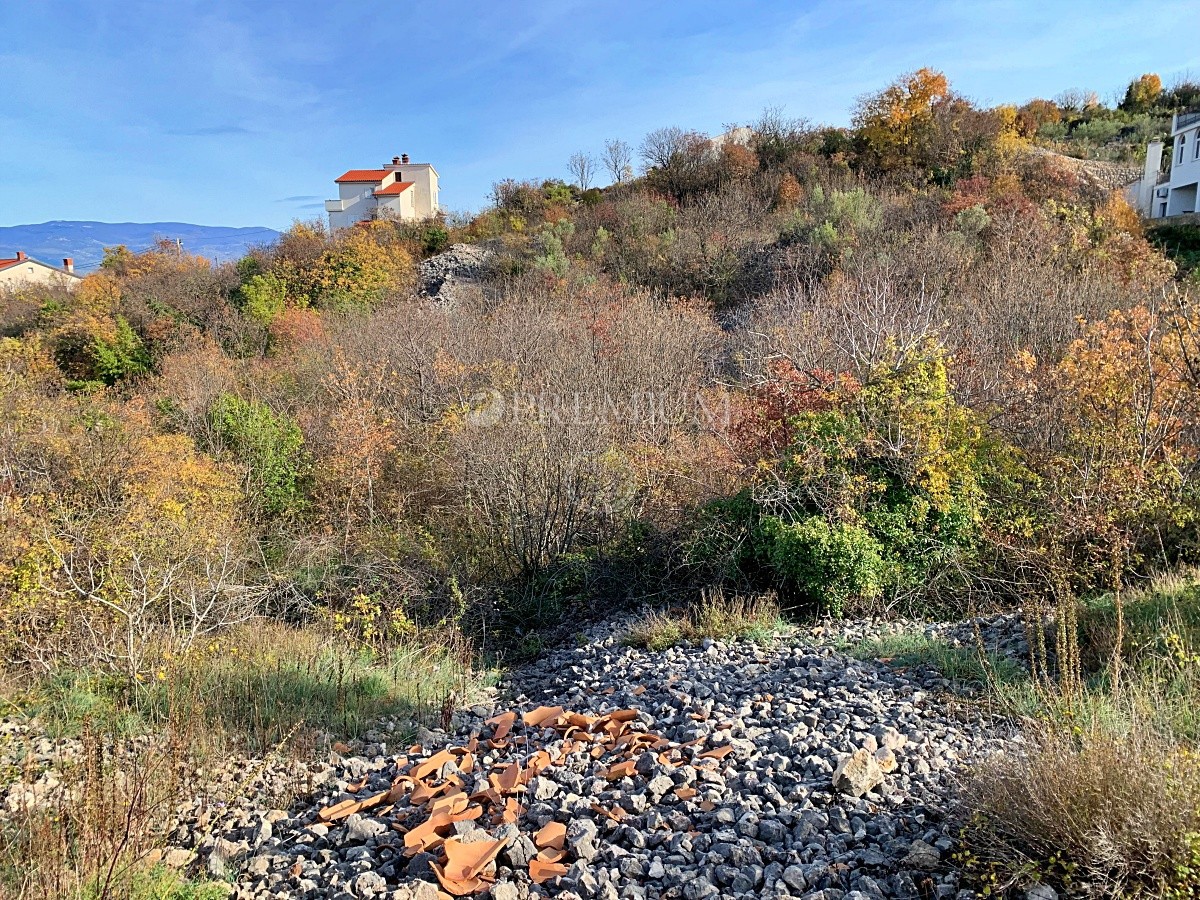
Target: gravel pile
point(446, 277)
point(736, 799)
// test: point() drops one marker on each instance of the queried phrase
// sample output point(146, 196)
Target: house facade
point(1173, 193)
point(400, 189)
point(24, 271)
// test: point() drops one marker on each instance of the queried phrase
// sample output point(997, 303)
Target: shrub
point(269, 446)
point(263, 297)
point(1180, 242)
point(1099, 813)
point(828, 563)
point(100, 351)
point(876, 496)
point(114, 536)
point(434, 239)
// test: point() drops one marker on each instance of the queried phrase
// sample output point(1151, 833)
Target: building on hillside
point(400, 190)
point(1174, 192)
point(24, 271)
point(742, 136)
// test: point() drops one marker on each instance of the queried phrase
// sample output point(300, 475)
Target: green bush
point(1179, 242)
point(434, 239)
point(835, 221)
point(829, 563)
point(852, 514)
point(271, 448)
point(94, 360)
point(551, 248)
point(263, 297)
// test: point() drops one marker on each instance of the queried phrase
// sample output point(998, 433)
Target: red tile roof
point(9, 263)
point(369, 175)
point(393, 189)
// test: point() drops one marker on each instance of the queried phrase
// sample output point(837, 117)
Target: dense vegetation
point(917, 364)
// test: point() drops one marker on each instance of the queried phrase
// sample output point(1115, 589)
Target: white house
point(1175, 192)
point(24, 271)
point(400, 190)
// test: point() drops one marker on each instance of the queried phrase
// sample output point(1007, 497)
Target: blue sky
point(242, 112)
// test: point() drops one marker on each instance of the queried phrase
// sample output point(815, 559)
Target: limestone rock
point(858, 773)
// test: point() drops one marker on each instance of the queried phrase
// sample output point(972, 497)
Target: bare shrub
point(550, 456)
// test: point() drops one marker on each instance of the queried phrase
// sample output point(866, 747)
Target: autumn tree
point(353, 269)
point(893, 121)
point(1035, 114)
point(1142, 94)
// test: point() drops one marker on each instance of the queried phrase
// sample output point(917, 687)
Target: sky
point(243, 112)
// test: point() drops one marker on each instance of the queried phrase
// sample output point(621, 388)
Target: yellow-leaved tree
point(130, 541)
point(891, 122)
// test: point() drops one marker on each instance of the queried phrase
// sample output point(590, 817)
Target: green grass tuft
point(914, 648)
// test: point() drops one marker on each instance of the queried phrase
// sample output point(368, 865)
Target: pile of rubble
point(463, 805)
point(698, 772)
point(451, 275)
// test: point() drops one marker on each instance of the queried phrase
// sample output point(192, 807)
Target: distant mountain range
point(84, 242)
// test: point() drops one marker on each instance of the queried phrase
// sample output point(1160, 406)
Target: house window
point(1162, 210)
point(1196, 146)
point(1182, 142)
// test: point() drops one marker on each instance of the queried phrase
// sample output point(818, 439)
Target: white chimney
point(69, 265)
point(1150, 177)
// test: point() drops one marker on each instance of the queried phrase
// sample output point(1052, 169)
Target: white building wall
point(29, 273)
point(1182, 184)
point(424, 180)
point(1185, 166)
point(1182, 200)
point(399, 207)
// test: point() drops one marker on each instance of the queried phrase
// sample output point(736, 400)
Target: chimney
point(21, 255)
point(69, 265)
point(404, 158)
point(395, 160)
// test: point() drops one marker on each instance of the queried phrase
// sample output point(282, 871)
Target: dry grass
point(88, 831)
point(715, 616)
point(259, 689)
point(1101, 813)
point(1105, 801)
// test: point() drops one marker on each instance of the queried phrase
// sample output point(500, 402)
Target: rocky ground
point(448, 277)
point(789, 770)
